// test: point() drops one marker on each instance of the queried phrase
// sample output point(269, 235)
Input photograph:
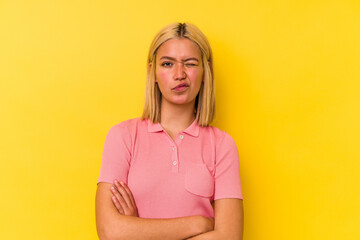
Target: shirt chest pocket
point(198, 180)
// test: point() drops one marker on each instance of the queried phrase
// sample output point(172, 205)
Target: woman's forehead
point(180, 49)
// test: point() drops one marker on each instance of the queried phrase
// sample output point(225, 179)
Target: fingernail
point(122, 183)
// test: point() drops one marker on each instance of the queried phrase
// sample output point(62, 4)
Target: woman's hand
point(209, 224)
point(123, 199)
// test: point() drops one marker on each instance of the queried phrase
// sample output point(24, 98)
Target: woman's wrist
point(202, 224)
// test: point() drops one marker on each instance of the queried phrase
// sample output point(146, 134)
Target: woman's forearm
point(113, 225)
point(129, 227)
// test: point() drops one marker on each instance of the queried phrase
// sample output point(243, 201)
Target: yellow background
point(287, 89)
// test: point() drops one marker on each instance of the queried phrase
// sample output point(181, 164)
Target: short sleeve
point(116, 155)
point(227, 169)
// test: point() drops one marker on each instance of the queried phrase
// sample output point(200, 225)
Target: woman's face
point(179, 71)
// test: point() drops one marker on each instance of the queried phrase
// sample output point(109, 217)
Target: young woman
point(168, 174)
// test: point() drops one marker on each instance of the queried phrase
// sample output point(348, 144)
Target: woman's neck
point(176, 118)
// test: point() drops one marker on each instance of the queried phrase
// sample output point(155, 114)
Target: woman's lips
point(180, 88)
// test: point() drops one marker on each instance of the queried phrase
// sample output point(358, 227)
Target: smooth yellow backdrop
point(287, 89)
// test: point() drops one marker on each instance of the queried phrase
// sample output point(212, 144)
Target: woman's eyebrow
point(184, 60)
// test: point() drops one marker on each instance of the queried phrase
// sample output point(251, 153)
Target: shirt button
point(181, 136)
point(174, 148)
point(174, 163)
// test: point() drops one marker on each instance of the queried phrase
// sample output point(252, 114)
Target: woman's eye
point(191, 64)
point(166, 64)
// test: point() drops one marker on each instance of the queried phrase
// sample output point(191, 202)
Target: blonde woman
point(169, 174)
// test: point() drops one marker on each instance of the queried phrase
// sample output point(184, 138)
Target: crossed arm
point(117, 218)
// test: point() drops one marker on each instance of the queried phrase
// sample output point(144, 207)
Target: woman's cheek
point(163, 76)
point(194, 75)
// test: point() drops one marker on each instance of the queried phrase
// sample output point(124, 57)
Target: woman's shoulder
point(223, 141)
point(126, 131)
point(217, 133)
point(129, 125)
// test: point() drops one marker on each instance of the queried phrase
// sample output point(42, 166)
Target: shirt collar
point(154, 127)
point(192, 130)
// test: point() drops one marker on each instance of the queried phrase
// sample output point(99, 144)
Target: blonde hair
point(205, 100)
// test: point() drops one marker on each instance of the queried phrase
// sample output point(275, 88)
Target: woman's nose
point(180, 71)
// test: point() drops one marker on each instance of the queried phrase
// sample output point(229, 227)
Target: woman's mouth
point(180, 87)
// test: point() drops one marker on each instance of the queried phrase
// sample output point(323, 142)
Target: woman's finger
point(117, 205)
point(130, 209)
point(124, 194)
point(119, 198)
point(127, 189)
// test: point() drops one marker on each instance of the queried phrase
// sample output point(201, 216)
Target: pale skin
point(178, 61)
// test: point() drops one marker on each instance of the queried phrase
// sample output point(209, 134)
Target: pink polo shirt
point(172, 178)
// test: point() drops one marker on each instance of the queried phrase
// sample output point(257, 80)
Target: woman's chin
point(181, 102)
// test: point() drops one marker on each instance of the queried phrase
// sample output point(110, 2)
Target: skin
point(229, 214)
point(112, 225)
point(178, 61)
